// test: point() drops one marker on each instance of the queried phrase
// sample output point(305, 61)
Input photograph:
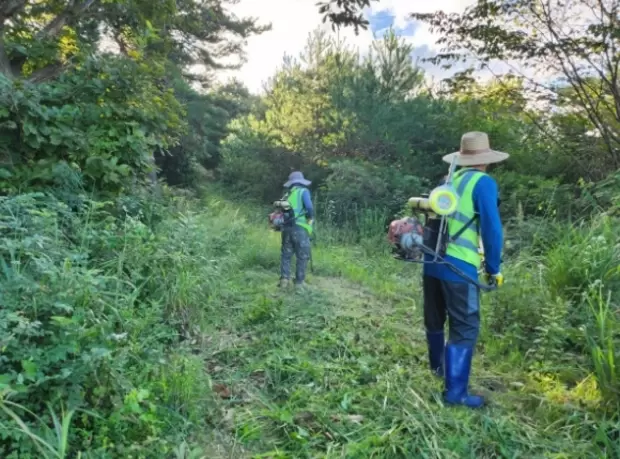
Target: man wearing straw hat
point(449, 296)
point(296, 233)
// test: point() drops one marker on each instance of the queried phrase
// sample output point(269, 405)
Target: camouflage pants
point(295, 241)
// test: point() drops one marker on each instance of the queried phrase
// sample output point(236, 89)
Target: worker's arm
point(485, 203)
point(307, 200)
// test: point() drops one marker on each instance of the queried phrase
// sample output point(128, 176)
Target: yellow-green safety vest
point(297, 204)
point(466, 246)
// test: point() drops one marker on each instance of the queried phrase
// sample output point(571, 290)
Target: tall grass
point(587, 253)
point(50, 443)
point(100, 311)
point(170, 333)
point(603, 339)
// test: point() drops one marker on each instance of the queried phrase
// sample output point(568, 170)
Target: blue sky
point(381, 20)
point(384, 19)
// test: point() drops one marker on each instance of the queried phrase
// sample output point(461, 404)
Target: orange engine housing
point(407, 238)
point(276, 220)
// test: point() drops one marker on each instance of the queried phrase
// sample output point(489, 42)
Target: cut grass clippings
point(340, 371)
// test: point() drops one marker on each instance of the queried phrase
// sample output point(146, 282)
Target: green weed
point(177, 339)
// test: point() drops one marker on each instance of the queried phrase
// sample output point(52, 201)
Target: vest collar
point(468, 169)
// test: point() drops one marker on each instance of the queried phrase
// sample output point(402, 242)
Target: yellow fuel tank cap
point(444, 200)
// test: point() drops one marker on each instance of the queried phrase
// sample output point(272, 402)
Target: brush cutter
point(282, 214)
point(412, 238)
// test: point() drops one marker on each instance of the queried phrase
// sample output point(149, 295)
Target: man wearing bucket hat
point(449, 296)
point(296, 233)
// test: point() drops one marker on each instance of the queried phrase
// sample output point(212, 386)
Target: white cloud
point(403, 8)
point(293, 20)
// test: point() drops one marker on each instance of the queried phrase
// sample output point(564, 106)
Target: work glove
point(495, 279)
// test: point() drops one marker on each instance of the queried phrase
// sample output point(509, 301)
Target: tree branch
point(54, 27)
point(5, 63)
point(8, 8)
point(122, 44)
point(46, 73)
point(579, 85)
point(11, 68)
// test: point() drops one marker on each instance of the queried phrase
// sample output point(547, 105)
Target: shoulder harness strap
point(460, 190)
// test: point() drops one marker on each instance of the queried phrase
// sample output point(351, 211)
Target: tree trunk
point(5, 63)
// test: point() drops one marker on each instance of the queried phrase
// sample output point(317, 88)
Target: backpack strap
point(464, 228)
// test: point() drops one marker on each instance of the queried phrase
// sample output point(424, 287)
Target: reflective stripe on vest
point(297, 204)
point(465, 247)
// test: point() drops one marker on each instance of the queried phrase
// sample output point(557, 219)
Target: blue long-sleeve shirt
point(485, 196)
point(307, 200)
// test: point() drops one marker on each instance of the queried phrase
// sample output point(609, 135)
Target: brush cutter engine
point(276, 220)
point(281, 215)
point(407, 238)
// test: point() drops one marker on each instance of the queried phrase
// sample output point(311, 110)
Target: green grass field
point(188, 350)
point(340, 370)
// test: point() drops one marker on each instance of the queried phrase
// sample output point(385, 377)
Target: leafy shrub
point(535, 236)
point(559, 312)
point(104, 120)
point(91, 304)
point(532, 195)
point(353, 188)
point(601, 197)
point(252, 163)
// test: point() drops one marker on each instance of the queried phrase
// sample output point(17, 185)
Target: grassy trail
point(340, 370)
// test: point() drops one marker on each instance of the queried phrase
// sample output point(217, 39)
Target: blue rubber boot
point(458, 366)
point(436, 345)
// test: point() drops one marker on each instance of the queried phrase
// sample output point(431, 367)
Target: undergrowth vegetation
point(156, 337)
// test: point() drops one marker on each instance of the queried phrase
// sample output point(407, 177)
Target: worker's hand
point(310, 221)
point(495, 279)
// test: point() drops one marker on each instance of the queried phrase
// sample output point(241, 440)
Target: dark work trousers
point(295, 241)
point(459, 302)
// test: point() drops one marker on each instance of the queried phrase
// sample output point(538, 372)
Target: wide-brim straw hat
point(296, 178)
point(475, 151)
